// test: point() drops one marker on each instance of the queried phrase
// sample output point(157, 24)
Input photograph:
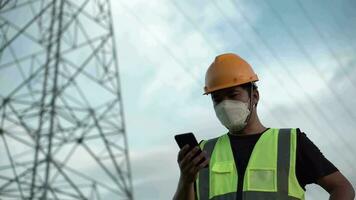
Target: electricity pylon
point(62, 127)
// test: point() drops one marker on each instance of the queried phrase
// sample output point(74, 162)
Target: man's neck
point(253, 130)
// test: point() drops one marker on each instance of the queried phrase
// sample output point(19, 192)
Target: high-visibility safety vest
point(270, 173)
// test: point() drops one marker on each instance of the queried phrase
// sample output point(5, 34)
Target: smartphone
point(188, 138)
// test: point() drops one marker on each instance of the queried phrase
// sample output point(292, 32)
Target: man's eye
point(233, 95)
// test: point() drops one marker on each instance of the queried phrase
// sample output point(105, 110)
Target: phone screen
point(186, 138)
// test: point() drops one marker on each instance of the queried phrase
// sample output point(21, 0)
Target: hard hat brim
point(232, 84)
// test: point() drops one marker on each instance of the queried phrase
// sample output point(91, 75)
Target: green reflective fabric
point(223, 173)
point(261, 170)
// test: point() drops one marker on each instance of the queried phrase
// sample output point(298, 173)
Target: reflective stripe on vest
point(283, 169)
point(204, 177)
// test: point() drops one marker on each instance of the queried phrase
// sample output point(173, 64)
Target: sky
point(304, 53)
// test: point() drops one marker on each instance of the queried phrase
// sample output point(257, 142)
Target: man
point(251, 162)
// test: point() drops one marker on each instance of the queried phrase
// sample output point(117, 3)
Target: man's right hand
point(190, 165)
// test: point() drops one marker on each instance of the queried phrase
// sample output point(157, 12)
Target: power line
point(326, 43)
point(213, 46)
point(310, 61)
point(210, 43)
point(281, 63)
point(341, 29)
point(195, 26)
point(166, 48)
point(262, 60)
point(171, 53)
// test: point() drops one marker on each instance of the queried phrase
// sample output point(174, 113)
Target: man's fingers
point(200, 166)
point(205, 163)
point(182, 152)
point(187, 158)
point(189, 155)
point(193, 161)
point(198, 158)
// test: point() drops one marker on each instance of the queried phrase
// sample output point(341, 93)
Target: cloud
point(178, 49)
point(155, 172)
point(168, 100)
point(163, 57)
point(200, 118)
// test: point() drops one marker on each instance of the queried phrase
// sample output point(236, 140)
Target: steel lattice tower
point(61, 114)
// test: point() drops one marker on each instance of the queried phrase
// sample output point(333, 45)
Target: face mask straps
point(251, 107)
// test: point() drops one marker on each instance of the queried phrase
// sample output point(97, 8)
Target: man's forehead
point(226, 90)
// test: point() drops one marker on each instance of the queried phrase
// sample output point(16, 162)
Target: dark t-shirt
point(310, 162)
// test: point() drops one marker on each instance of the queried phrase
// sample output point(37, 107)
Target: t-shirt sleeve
point(311, 164)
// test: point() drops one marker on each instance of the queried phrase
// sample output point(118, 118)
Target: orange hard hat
point(226, 71)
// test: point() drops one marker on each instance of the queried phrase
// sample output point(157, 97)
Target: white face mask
point(232, 114)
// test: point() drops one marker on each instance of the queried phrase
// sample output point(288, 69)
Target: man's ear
point(255, 97)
